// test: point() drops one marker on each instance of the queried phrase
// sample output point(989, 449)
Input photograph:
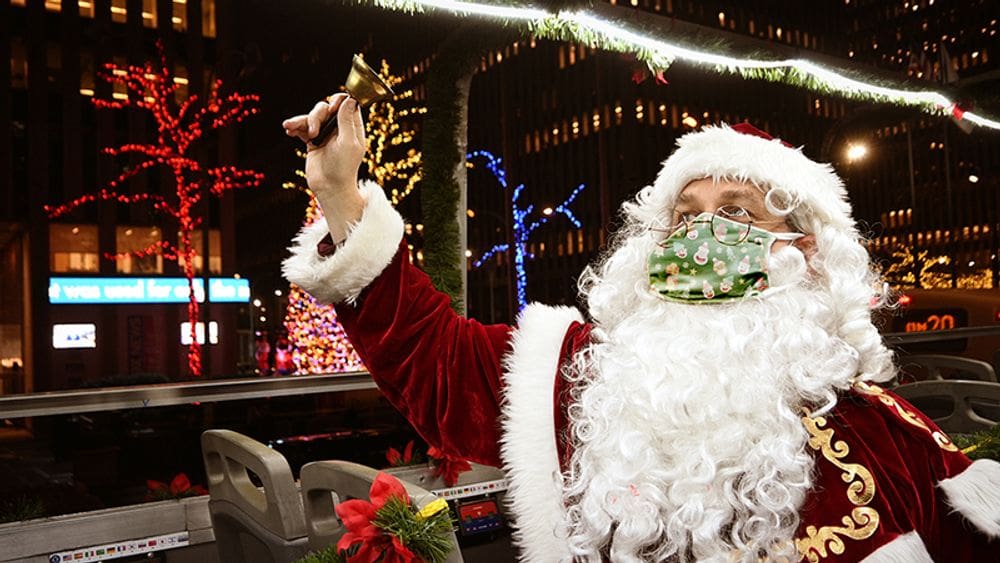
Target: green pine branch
point(981, 445)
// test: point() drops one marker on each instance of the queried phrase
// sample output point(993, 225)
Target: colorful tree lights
point(178, 126)
point(392, 161)
point(319, 344)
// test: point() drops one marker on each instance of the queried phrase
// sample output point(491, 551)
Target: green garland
point(560, 30)
point(981, 445)
point(328, 554)
point(456, 61)
point(830, 80)
point(428, 538)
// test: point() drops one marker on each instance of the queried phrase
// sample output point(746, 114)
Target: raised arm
point(438, 369)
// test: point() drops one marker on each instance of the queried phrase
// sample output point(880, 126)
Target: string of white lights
point(467, 8)
point(595, 31)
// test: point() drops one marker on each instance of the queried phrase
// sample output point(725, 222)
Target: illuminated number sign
point(82, 291)
point(925, 320)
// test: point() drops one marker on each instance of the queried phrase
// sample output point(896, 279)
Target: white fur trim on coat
point(371, 243)
point(721, 152)
point(975, 494)
point(907, 548)
point(528, 447)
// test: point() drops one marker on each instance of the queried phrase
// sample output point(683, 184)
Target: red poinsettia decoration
point(358, 515)
point(448, 467)
point(396, 459)
point(179, 487)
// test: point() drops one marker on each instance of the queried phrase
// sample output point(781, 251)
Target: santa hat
point(812, 191)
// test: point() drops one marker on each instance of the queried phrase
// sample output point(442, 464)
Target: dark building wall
point(552, 90)
point(559, 114)
point(577, 116)
point(52, 155)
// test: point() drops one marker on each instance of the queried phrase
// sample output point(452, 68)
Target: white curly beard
point(688, 443)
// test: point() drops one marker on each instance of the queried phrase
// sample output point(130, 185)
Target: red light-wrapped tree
point(178, 126)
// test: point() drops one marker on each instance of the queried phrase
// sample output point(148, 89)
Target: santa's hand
point(334, 165)
point(332, 168)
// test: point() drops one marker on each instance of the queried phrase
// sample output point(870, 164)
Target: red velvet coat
point(889, 486)
point(879, 460)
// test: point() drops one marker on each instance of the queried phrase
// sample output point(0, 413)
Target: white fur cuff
point(907, 548)
point(370, 246)
point(975, 494)
point(528, 447)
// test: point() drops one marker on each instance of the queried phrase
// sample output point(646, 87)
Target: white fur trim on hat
point(370, 246)
point(907, 548)
point(528, 446)
point(721, 152)
point(975, 494)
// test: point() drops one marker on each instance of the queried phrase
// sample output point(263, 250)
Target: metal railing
point(900, 338)
point(166, 394)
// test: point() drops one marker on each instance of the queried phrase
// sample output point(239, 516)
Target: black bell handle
point(325, 130)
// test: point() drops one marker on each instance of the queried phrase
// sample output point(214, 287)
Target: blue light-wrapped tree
point(523, 221)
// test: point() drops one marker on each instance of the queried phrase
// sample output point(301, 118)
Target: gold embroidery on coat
point(861, 524)
point(940, 438)
point(863, 520)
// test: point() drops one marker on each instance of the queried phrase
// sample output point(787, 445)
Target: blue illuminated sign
point(228, 290)
point(82, 291)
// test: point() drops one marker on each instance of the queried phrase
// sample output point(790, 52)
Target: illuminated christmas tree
point(178, 124)
point(393, 161)
point(319, 344)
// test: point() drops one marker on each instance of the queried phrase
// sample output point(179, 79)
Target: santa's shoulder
point(549, 331)
point(895, 412)
point(910, 463)
point(868, 404)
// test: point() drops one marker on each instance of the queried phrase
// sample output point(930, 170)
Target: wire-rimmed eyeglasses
point(730, 225)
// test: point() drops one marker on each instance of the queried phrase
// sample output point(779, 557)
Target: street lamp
point(856, 152)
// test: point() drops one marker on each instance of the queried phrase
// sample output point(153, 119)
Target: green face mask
point(713, 260)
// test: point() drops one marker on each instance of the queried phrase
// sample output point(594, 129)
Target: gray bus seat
point(938, 366)
point(956, 406)
point(252, 524)
point(346, 480)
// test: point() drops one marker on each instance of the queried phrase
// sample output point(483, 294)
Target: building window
point(182, 80)
point(141, 240)
point(53, 5)
point(208, 18)
point(180, 15)
point(149, 13)
point(118, 89)
point(118, 12)
point(73, 248)
point(18, 63)
point(87, 8)
point(87, 73)
point(214, 252)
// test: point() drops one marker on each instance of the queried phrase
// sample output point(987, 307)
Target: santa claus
point(721, 403)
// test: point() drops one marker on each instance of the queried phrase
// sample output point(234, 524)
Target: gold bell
point(364, 84)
